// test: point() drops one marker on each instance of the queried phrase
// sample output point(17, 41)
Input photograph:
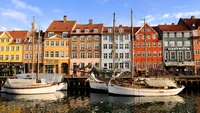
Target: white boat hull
point(30, 90)
point(62, 86)
point(120, 90)
point(98, 85)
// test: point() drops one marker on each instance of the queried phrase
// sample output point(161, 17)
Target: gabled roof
point(148, 26)
point(90, 27)
point(192, 23)
point(173, 27)
point(18, 35)
point(61, 26)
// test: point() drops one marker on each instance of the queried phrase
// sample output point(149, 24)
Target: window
point(149, 54)
point(171, 43)
point(148, 37)
point(96, 46)
point(86, 30)
point(29, 56)
point(121, 30)
point(26, 47)
point(198, 62)
point(78, 30)
point(121, 55)
point(149, 44)
point(74, 47)
point(17, 48)
point(138, 37)
point(64, 34)
point(195, 32)
point(6, 57)
point(159, 44)
point(12, 57)
point(89, 38)
point(153, 36)
point(2, 40)
point(67, 54)
point(50, 34)
point(172, 55)
point(126, 46)
point(105, 65)
point(160, 53)
point(196, 41)
point(154, 44)
point(154, 53)
point(143, 54)
point(17, 57)
point(96, 55)
point(110, 55)
point(126, 37)
point(95, 30)
point(26, 56)
point(166, 55)
point(1, 57)
point(56, 53)
point(109, 30)
point(127, 55)
point(89, 55)
point(74, 38)
point(47, 43)
point(110, 46)
point(127, 65)
point(62, 43)
point(12, 48)
point(186, 43)
point(51, 54)
point(166, 43)
point(18, 40)
point(187, 55)
point(57, 43)
point(7, 40)
point(52, 43)
point(89, 47)
point(165, 34)
point(121, 46)
point(96, 37)
point(171, 34)
point(1, 48)
point(82, 55)
point(155, 65)
point(82, 38)
point(74, 55)
point(104, 46)
point(82, 46)
point(62, 54)
point(178, 34)
point(67, 43)
point(186, 34)
point(138, 54)
point(197, 51)
point(180, 55)
point(179, 43)
point(82, 65)
point(138, 44)
point(104, 37)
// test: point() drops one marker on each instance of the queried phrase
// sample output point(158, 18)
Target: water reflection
point(85, 101)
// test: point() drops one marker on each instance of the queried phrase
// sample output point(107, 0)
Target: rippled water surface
point(86, 101)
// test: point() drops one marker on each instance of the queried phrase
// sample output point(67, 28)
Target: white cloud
point(22, 5)
point(14, 14)
point(57, 11)
point(149, 18)
point(186, 14)
point(165, 16)
point(3, 28)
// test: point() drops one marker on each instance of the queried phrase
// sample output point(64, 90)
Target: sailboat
point(143, 86)
point(101, 83)
point(29, 86)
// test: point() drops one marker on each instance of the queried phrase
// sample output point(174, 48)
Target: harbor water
point(87, 101)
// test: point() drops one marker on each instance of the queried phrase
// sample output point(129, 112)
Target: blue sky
point(18, 14)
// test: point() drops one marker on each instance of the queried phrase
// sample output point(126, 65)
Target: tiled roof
point(18, 35)
point(90, 27)
point(61, 26)
point(127, 29)
point(192, 23)
point(172, 28)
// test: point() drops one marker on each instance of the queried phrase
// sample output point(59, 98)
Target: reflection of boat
point(141, 100)
point(98, 98)
point(44, 97)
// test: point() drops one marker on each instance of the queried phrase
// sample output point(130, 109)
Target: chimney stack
point(172, 23)
point(65, 18)
point(192, 17)
point(90, 21)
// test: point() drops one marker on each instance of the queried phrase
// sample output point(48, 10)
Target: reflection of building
point(85, 46)
point(177, 47)
point(56, 46)
point(11, 49)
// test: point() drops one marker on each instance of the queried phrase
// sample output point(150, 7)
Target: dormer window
point(18, 40)
point(78, 30)
point(121, 30)
point(86, 30)
point(109, 30)
point(95, 30)
point(50, 34)
point(64, 34)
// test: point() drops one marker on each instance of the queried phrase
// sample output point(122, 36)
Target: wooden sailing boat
point(144, 86)
point(28, 86)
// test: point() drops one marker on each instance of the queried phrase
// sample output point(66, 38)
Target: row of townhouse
point(66, 44)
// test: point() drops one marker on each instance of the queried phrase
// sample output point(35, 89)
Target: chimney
point(172, 23)
point(90, 21)
point(65, 18)
point(192, 17)
point(120, 25)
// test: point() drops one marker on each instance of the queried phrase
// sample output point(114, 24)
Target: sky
point(18, 14)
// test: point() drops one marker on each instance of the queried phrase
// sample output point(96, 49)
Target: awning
point(180, 63)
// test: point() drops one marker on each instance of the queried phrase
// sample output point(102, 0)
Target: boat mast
point(114, 45)
point(33, 36)
point(38, 48)
point(132, 47)
point(145, 42)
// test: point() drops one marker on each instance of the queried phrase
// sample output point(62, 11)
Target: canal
point(88, 101)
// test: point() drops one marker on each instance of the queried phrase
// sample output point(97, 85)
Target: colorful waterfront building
point(57, 46)
point(147, 37)
point(193, 24)
point(123, 48)
point(37, 46)
point(85, 47)
point(177, 48)
point(11, 51)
